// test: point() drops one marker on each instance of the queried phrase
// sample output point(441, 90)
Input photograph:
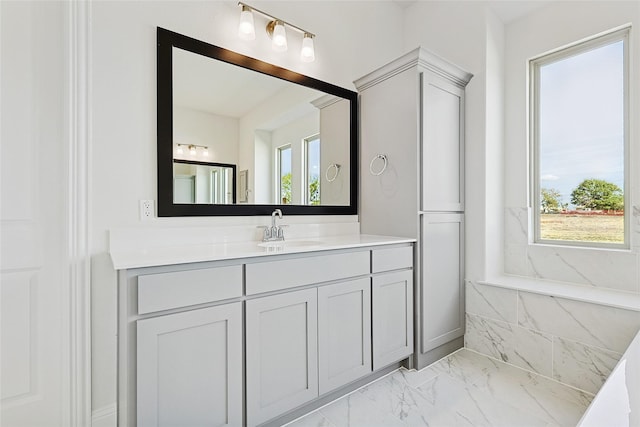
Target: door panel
point(442, 279)
point(34, 336)
point(442, 146)
point(189, 368)
point(344, 333)
point(282, 353)
point(392, 317)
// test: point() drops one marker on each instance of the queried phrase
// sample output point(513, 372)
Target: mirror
point(293, 138)
point(203, 183)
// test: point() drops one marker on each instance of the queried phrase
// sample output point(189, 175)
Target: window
point(579, 133)
point(312, 167)
point(284, 175)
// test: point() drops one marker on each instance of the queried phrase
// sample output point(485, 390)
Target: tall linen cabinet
point(412, 184)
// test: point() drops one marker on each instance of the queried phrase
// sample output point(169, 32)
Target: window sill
point(602, 296)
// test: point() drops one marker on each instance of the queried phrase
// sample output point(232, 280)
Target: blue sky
point(581, 119)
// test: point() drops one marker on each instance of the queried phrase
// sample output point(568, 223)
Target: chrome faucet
point(275, 232)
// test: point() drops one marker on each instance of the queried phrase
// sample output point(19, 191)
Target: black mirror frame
point(166, 40)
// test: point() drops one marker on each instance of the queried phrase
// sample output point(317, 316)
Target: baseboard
point(425, 359)
point(107, 416)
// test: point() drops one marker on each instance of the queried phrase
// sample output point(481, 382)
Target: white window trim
point(602, 39)
point(278, 186)
point(305, 162)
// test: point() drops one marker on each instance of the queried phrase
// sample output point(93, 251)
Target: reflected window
point(284, 174)
point(312, 167)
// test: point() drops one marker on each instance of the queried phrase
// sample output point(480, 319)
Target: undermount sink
point(289, 243)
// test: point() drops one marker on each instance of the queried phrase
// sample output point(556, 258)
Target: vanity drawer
point(183, 288)
point(391, 259)
point(275, 275)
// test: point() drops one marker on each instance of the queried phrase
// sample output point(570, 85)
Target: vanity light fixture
point(193, 149)
point(246, 29)
point(276, 30)
point(307, 54)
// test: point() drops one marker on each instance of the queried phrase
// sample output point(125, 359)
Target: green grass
point(585, 228)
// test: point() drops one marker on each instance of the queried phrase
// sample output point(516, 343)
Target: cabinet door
point(189, 368)
point(442, 279)
point(392, 317)
point(442, 145)
point(344, 333)
point(282, 353)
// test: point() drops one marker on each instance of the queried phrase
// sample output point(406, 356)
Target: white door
point(344, 333)
point(34, 336)
point(281, 350)
point(189, 368)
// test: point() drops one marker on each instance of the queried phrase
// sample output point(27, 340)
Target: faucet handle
point(266, 233)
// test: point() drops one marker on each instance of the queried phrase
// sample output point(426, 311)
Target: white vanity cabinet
point(260, 340)
point(412, 158)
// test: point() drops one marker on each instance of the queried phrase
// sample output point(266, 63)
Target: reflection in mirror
point(241, 111)
point(282, 130)
point(203, 183)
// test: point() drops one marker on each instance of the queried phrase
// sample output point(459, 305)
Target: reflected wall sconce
point(276, 30)
point(193, 149)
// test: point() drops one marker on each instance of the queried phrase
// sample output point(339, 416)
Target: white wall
point(348, 44)
point(334, 129)
point(551, 27)
point(219, 134)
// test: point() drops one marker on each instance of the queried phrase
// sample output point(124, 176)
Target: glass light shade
point(179, 150)
point(246, 29)
point(192, 150)
point(307, 54)
point(205, 152)
point(279, 42)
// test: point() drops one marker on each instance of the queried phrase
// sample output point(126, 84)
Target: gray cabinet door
point(282, 353)
point(442, 145)
point(392, 297)
point(189, 368)
point(344, 333)
point(442, 264)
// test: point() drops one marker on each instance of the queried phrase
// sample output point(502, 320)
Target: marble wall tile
point(525, 348)
point(515, 259)
point(516, 225)
point(593, 267)
point(582, 366)
point(491, 301)
point(592, 324)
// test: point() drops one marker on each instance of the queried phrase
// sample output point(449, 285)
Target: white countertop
point(124, 258)
point(618, 401)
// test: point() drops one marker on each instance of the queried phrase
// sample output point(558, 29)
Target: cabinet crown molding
point(419, 57)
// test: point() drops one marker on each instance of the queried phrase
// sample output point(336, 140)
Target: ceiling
point(507, 10)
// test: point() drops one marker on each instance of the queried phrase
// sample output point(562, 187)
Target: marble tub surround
point(575, 342)
point(464, 388)
point(601, 268)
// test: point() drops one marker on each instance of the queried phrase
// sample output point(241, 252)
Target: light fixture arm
point(273, 18)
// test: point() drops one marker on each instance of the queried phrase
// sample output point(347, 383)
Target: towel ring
point(384, 166)
point(326, 173)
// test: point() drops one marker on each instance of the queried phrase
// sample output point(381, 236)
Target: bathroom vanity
point(245, 333)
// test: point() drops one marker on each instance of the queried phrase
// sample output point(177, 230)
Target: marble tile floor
point(463, 389)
